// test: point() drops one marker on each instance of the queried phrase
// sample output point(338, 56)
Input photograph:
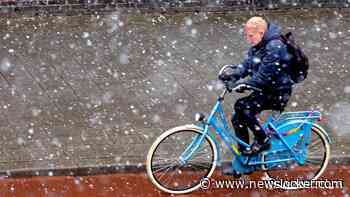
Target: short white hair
point(257, 23)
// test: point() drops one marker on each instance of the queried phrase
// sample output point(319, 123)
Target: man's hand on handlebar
point(239, 87)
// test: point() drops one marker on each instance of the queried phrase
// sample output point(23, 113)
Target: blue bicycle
point(181, 157)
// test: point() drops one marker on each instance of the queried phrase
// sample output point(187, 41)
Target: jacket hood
point(273, 30)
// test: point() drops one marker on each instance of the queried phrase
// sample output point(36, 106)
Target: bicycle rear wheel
point(315, 163)
point(165, 169)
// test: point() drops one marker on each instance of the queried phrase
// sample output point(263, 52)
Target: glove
point(228, 73)
point(241, 87)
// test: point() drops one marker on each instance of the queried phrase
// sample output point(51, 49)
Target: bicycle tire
point(162, 138)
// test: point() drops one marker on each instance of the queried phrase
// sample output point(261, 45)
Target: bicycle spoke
point(313, 161)
point(161, 165)
point(203, 155)
point(165, 159)
point(163, 168)
point(198, 168)
point(160, 177)
point(199, 164)
point(202, 159)
point(162, 154)
point(313, 144)
point(316, 152)
point(171, 177)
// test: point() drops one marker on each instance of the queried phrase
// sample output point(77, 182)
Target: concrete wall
point(80, 91)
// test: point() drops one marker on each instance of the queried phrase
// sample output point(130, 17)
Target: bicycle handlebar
point(239, 86)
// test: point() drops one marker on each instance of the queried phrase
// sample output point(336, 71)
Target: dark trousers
point(247, 109)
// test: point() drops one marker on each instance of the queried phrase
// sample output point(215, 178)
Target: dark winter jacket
point(265, 62)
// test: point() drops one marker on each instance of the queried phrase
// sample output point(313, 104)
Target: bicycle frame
point(225, 133)
point(218, 122)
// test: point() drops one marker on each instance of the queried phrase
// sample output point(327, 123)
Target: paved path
point(133, 185)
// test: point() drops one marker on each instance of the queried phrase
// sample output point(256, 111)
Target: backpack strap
point(276, 37)
point(264, 42)
point(288, 34)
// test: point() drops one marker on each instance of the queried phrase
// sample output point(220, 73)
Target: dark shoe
point(257, 147)
point(227, 170)
point(232, 172)
point(242, 148)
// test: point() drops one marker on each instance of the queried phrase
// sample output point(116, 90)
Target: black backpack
point(299, 65)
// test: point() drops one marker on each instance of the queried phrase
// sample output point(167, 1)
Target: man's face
point(253, 35)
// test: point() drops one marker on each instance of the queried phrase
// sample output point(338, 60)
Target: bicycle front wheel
point(315, 163)
point(171, 175)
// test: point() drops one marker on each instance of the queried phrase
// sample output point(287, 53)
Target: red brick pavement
point(137, 184)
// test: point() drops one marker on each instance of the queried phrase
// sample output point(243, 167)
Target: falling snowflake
point(5, 65)
point(188, 21)
point(31, 131)
point(347, 90)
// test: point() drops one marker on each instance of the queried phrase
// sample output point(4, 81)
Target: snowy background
point(78, 91)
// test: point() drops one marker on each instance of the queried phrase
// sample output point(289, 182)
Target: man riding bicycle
point(265, 63)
